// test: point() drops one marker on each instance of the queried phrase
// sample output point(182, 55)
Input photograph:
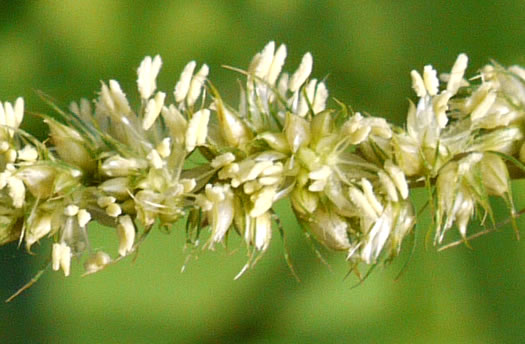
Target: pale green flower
point(348, 175)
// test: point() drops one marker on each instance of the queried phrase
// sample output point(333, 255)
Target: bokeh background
point(366, 50)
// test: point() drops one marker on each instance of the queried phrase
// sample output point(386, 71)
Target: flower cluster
point(348, 175)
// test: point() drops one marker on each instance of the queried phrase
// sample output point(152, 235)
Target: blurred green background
point(366, 50)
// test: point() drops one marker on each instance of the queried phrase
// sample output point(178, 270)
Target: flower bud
point(38, 228)
point(329, 229)
point(117, 187)
point(297, 131)
point(39, 179)
point(304, 202)
point(232, 127)
point(175, 122)
point(8, 229)
point(495, 175)
point(322, 125)
point(71, 146)
point(276, 141)
point(505, 140)
point(263, 231)
point(117, 166)
point(112, 102)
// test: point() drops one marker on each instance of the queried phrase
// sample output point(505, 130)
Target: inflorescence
point(348, 175)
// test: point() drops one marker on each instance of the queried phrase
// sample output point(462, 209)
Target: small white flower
point(428, 84)
point(250, 170)
point(61, 257)
point(320, 178)
point(113, 210)
point(153, 110)
point(104, 201)
point(126, 234)
point(455, 80)
point(116, 99)
point(197, 82)
point(263, 60)
point(164, 147)
point(388, 186)
point(97, 262)
point(232, 127)
point(356, 129)
point(277, 64)
point(321, 95)
point(71, 210)
point(306, 98)
point(117, 187)
point(28, 153)
point(10, 117)
point(83, 217)
point(39, 227)
point(263, 231)
point(219, 207)
point(175, 122)
point(262, 200)
point(297, 131)
point(117, 166)
point(377, 237)
point(398, 177)
point(222, 160)
point(418, 84)
point(55, 256)
point(183, 85)
point(11, 155)
point(330, 229)
point(302, 73)
point(370, 196)
point(197, 129)
point(17, 191)
point(361, 202)
point(431, 80)
point(483, 104)
point(188, 184)
point(83, 111)
point(147, 75)
point(155, 159)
